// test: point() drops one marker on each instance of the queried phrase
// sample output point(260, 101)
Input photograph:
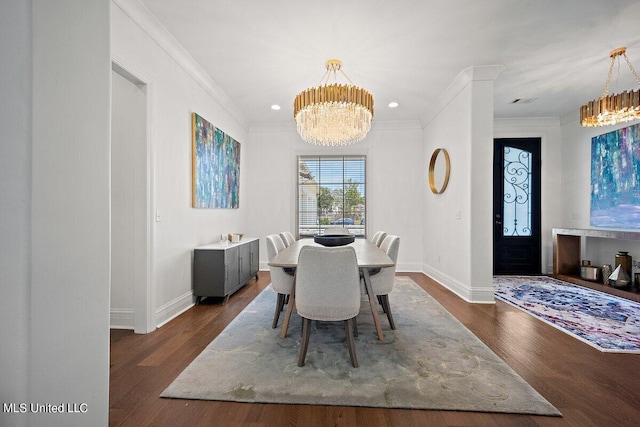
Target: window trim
point(343, 156)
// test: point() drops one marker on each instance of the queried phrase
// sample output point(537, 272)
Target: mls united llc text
point(45, 408)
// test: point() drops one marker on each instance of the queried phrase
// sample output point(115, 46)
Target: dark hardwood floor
point(590, 388)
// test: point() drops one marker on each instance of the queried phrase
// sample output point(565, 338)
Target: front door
point(516, 206)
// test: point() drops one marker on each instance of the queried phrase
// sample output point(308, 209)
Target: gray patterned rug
point(431, 361)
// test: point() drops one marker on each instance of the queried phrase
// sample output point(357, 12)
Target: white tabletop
point(368, 254)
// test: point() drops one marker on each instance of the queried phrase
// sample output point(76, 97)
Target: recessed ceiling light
point(393, 104)
point(275, 107)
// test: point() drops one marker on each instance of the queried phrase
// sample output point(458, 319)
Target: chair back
point(274, 245)
point(341, 231)
point(378, 238)
point(280, 281)
point(327, 283)
point(382, 283)
point(287, 238)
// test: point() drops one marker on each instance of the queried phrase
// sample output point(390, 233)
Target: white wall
point(176, 87)
point(458, 223)
point(553, 169)
point(395, 179)
point(69, 294)
point(576, 182)
point(15, 205)
point(446, 244)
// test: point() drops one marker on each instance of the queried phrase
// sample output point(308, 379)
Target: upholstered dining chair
point(287, 238)
point(327, 289)
point(336, 231)
point(378, 238)
point(382, 283)
point(280, 280)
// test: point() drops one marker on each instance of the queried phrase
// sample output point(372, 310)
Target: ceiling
point(261, 53)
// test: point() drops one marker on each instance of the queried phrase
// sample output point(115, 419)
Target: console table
point(568, 244)
point(220, 269)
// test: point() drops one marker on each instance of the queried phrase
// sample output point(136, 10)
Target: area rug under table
point(606, 322)
point(430, 362)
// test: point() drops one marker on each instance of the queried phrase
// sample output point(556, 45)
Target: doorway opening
point(517, 232)
point(131, 306)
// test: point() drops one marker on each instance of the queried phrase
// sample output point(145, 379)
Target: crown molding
point(462, 80)
point(150, 25)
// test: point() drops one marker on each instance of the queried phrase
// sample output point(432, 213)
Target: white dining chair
point(287, 238)
point(378, 238)
point(339, 231)
point(382, 282)
point(281, 281)
point(327, 289)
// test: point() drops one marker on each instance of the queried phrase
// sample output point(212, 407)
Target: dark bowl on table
point(334, 239)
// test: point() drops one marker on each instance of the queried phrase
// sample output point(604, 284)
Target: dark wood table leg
point(372, 302)
point(290, 305)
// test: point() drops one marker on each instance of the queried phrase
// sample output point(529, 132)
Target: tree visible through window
point(331, 193)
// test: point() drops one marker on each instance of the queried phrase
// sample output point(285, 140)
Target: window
point(331, 193)
point(517, 192)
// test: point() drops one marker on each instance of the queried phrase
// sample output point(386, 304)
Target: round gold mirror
point(439, 168)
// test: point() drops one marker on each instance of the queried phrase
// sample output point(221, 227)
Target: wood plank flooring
point(590, 388)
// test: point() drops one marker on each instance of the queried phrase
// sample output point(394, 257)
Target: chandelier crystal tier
point(333, 113)
point(616, 108)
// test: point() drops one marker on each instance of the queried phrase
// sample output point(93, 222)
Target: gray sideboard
point(220, 269)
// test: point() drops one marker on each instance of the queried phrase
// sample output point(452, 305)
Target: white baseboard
point(174, 308)
point(121, 318)
point(483, 295)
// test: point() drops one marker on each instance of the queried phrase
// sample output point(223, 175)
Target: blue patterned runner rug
point(606, 322)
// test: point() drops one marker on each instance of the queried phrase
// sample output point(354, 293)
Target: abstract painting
point(216, 166)
point(615, 179)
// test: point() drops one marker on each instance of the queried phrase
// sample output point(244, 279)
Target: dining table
point(370, 259)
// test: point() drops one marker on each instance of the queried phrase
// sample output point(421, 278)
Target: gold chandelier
point(333, 114)
point(616, 108)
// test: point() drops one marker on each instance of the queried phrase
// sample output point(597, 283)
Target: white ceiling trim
point(141, 15)
point(466, 76)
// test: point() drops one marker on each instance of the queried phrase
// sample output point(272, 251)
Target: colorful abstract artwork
point(216, 166)
point(615, 179)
